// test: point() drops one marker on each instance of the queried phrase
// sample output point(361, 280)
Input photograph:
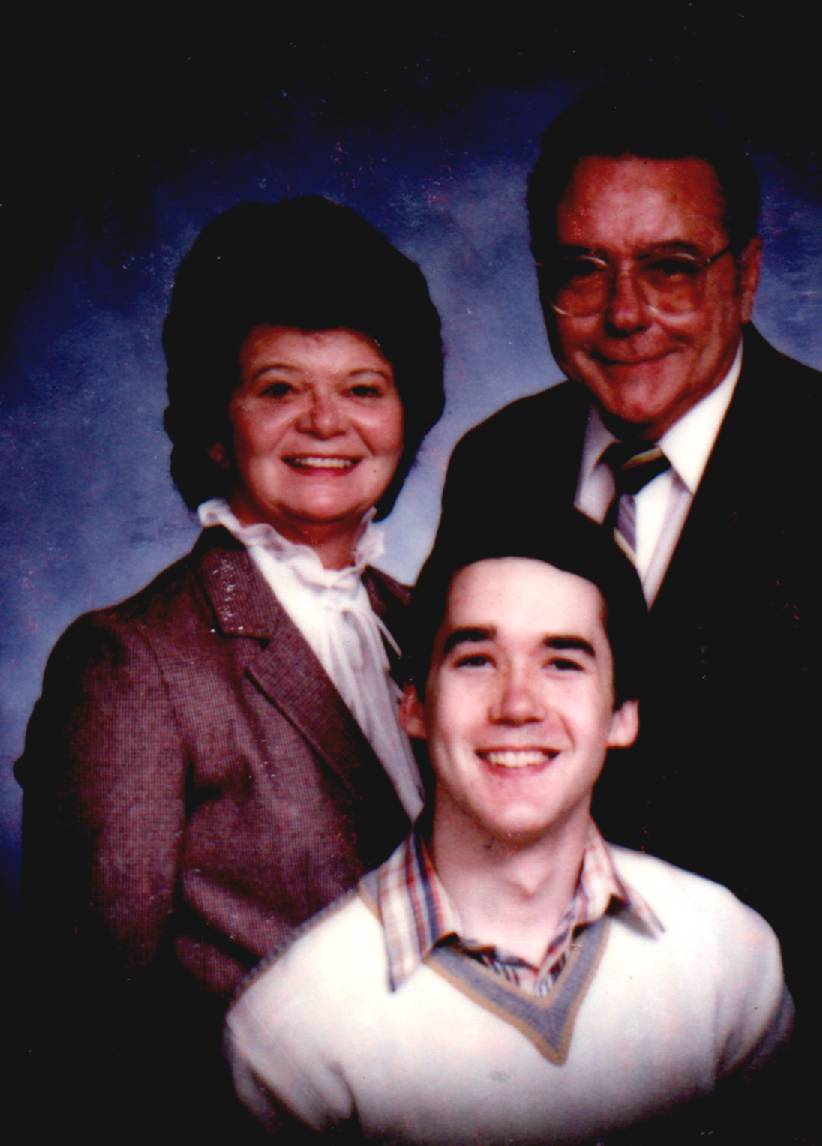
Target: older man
point(694, 440)
point(506, 976)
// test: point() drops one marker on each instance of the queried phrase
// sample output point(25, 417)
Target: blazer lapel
point(727, 494)
point(278, 659)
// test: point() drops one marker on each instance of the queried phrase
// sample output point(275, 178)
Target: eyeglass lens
point(670, 283)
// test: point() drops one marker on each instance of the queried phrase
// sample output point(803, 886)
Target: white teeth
point(518, 757)
point(322, 463)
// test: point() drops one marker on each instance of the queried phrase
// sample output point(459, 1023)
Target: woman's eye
point(365, 390)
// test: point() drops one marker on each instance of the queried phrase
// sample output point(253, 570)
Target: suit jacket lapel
point(555, 455)
point(277, 657)
point(720, 505)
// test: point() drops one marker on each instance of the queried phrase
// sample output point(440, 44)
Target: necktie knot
point(634, 465)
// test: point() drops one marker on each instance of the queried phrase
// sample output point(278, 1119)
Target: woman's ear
point(412, 713)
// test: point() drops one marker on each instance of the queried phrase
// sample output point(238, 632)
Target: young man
point(506, 976)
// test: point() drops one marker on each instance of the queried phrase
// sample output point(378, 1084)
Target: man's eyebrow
point(669, 247)
point(472, 635)
point(563, 643)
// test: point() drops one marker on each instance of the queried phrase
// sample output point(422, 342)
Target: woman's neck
point(335, 543)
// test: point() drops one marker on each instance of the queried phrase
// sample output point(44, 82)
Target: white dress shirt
point(663, 504)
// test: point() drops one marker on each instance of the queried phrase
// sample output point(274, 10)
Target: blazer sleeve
point(104, 799)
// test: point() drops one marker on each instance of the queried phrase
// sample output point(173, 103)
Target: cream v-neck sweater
point(635, 1024)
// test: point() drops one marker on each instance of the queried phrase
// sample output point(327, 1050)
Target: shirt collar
point(687, 444)
point(303, 560)
point(417, 914)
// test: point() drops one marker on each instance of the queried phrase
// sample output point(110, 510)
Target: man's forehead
point(680, 190)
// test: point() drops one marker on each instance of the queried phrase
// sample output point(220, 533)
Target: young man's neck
point(509, 893)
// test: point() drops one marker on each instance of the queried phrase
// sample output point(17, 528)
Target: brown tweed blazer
point(194, 785)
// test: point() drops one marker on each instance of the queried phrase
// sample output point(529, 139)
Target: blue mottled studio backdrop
point(117, 152)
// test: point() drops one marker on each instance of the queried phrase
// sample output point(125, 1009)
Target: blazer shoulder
point(529, 415)
point(183, 598)
point(776, 385)
point(170, 617)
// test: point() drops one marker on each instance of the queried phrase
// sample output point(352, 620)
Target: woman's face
point(318, 433)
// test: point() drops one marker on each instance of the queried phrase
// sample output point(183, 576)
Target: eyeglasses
point(671, 282)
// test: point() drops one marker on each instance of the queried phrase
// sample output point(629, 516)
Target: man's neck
point(510, 894)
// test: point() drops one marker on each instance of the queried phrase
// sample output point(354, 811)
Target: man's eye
point(277, 390)
point(565, 664)
point(671, 268)
point(582, 269)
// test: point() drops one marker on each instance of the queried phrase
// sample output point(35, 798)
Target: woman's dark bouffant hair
point(305, 263)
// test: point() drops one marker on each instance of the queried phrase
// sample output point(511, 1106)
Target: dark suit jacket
point(719, 780)
point(195, 788)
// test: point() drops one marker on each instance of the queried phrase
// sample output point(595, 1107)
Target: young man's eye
point(472, 660)
point(565, 664)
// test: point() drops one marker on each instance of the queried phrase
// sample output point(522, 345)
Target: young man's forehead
point(492, 594)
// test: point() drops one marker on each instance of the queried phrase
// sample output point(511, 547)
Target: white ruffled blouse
point(331, 609)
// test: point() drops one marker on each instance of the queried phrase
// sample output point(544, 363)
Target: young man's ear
point(412, 713)
point(624, 725)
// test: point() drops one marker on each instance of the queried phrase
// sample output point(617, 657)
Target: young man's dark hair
point(573, 544)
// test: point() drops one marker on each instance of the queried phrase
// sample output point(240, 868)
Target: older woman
point(215, 759)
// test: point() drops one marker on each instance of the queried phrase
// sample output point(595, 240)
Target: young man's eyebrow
point(467, 635)
point(563, 643)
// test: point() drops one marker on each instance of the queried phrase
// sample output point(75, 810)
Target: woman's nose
point(323, 415)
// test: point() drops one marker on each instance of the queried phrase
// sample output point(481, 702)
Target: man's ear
point(749, 264)
point(219, 455)
point(412, 713)
point(624, 725)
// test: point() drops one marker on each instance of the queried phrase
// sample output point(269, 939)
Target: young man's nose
point(518, 701)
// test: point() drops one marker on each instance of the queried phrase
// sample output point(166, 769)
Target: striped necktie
point(633, 465)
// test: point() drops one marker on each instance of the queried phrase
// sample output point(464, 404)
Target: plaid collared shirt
point(417, 915)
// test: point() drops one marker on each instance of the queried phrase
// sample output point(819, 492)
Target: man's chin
point(626, 422)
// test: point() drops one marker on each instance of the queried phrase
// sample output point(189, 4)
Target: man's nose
point(322, 416)
point(519, 700)
point(627, 310)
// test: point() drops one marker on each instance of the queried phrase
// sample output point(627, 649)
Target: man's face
point(518, 710)
point(646, 369)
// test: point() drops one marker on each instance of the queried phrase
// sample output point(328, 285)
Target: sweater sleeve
point(755, 1016)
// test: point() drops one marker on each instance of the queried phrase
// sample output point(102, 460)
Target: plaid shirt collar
point(417, 914)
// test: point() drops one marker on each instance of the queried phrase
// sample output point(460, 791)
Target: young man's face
point(519, 705)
